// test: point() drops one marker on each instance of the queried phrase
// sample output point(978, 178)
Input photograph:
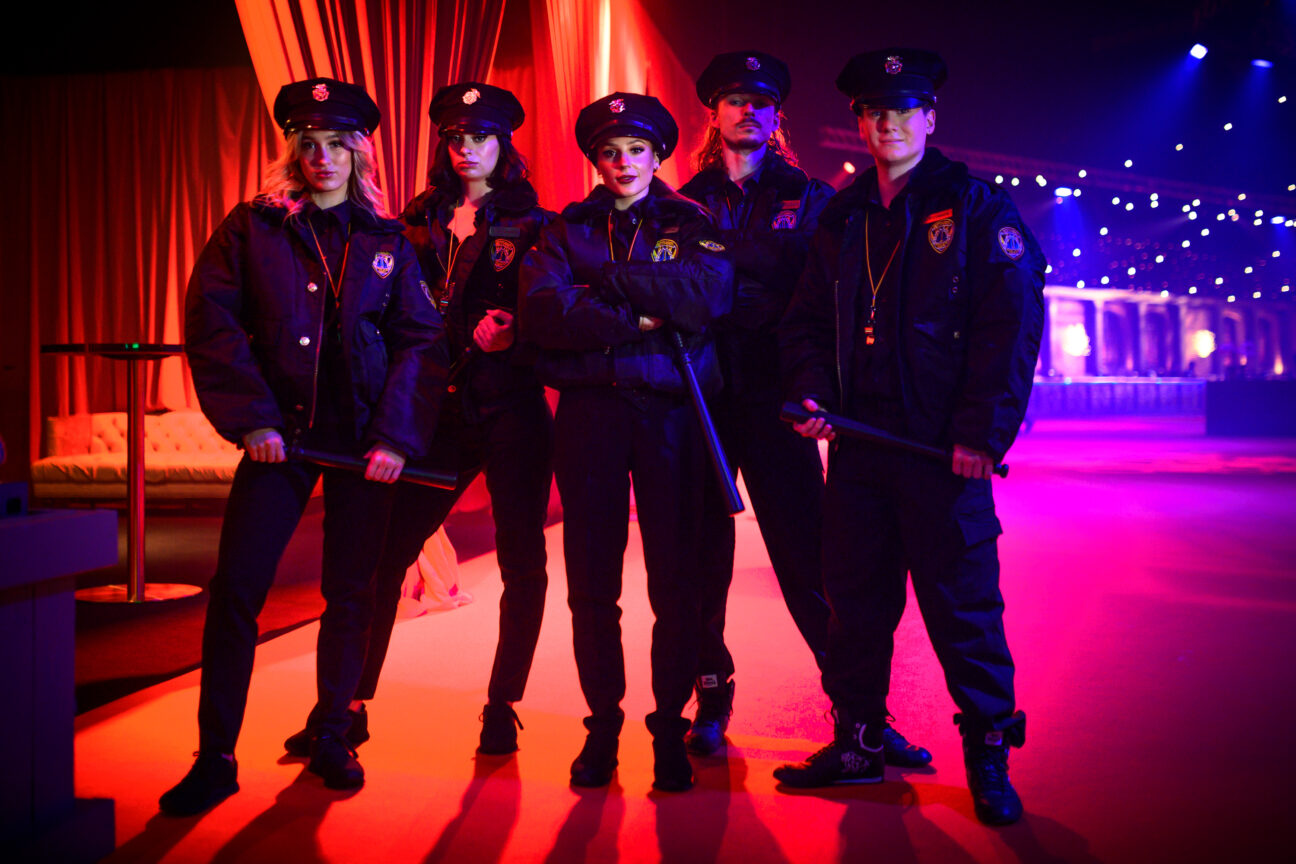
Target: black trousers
point(603, 439)
point(888, 514)
point(785, 482)
point(265, 504)
point(514, 445)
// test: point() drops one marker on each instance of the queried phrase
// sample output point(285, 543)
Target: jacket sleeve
point(690, 291)
point(555, 313)
point(1007, 319)
point(406, 415)
point(232, 390)
point(808, 332)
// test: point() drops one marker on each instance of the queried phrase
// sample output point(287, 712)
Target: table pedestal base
point(152, 591)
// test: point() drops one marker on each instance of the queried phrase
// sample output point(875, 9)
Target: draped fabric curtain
point(576, 51)
point(400, 51)
point(124, 176)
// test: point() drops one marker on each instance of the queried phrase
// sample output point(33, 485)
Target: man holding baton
point(919, 313)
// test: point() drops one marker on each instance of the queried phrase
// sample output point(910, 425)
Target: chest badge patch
point(940, 235)
point(383, 263)
point(665, 250)
point(502, 253)
point(1011, 242)
point(784, 220)
point(711, 245)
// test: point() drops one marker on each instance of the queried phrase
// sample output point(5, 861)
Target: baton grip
point(421, 476)
point(794, 412)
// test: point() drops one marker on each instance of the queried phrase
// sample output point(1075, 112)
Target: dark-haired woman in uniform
point(471, 228)
point(305, 324)
point(605, 287)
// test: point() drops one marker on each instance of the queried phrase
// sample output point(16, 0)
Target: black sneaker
point(715, 706)
point(848, 759)
point(335, 761)
point(672, 771)
point(597, 761)
point(900, 752)
point(211, 780)
point(500, 725)
point(993, 797)
point(298, 744)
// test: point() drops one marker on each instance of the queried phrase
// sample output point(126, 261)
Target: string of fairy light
point(1237, 280)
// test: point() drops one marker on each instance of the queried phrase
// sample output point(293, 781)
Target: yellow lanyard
point(611, 248)
point(874, 286)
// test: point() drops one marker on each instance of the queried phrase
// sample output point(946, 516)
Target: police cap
point(475, 108)
point(892, 78)
point(325, 103)
point(744, 72)
point(626, 114)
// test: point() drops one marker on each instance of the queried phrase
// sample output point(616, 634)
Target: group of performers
point(911, 300)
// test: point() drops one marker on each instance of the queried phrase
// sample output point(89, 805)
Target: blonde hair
point(707, 155)
point(285, 186)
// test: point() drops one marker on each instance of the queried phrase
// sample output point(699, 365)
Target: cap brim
point(894, 101)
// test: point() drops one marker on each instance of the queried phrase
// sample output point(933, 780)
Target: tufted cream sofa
point(86, 457)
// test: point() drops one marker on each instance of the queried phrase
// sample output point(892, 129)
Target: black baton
point(421, 476)
point(718, 461)
point(794, 413)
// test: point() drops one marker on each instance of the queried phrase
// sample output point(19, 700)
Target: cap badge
point(616, 106)
point(893, 65)
point(383, 263)
point(753, 64)
point(471, 95)
point(320, 92)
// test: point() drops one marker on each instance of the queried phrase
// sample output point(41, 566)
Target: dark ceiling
point(1082, 83)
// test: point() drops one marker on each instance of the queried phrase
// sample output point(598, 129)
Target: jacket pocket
point(371, 350)
point(978, 523)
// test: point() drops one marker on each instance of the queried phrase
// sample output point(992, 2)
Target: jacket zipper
point(841, 385)
point(319, 342)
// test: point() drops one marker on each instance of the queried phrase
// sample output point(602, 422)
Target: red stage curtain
point(400, 51)
point(560, 55)
point(124, 176)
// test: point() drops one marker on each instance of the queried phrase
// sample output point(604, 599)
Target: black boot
point(854, 756)
point(597, 760)
point(993, 796)
point(211, 780)
point(715, 705)
point(672, 771)
point(500, 725)
point(298, 744)
point(335, 760)
point(900, 752)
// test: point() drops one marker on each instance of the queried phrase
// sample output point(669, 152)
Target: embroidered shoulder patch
point(1011, 242)
point(502, 254)
point(941, 235)
point(383, 263)
point(665, 250)
point(711, 245)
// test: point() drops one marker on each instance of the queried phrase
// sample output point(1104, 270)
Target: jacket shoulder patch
point(1011, 242)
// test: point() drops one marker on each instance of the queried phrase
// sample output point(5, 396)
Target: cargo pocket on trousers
point(980, 525)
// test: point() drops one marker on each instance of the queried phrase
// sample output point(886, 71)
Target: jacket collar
point(515, 199)
point(661, 201)
point(361, 219)
point(934, 171)
point(774, 171)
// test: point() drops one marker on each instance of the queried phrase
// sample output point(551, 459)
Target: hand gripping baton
point(794, 413)
point(421, 476)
